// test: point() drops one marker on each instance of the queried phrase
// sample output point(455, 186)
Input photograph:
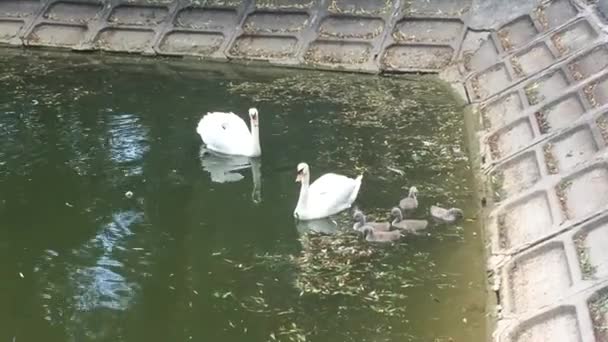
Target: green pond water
point(207, 249)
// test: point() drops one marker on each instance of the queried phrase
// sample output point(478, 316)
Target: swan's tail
point(353, 195)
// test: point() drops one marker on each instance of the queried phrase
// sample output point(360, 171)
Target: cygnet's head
point(358, 216)
point(302, 171)
point(396, 213)
point(413, 191)
point(457, 212)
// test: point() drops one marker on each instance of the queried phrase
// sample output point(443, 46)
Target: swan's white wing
point(225, 133)
point(333, 193)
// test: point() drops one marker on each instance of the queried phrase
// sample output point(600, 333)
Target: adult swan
point(227, 133)
point(328, 195)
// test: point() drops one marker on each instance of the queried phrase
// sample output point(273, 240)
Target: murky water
point(207, 249)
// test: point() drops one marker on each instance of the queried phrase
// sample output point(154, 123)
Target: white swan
point(328, 195)
point(228, 134)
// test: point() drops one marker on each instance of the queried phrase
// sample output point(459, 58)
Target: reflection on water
point(226, 169)
point(103, 284)
point(325, 226)
point(193, 253)
point(127, 140)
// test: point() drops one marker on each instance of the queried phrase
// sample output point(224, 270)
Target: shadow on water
point(116, 226)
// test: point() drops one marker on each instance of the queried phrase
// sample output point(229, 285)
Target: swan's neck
point(255, 135)
point(303, 199)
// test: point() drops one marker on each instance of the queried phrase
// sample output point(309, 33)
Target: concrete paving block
point(78, 13)
point(556, 325)
point(440, 8)
point(361, 7)
point(19, 8)
point(124, 39)
point(15, 16)
point(590, 242)
point(490, 81)
point(584, 192)
point(423, 57)
point(271, 23)
point(532, 60)
point(209, 19)
point(559, 113)
point(482, 58)
point(60, 35)
point(598, 310)
point(602, 124)
point(502, 110)
point(597, 92)
point(510, 139)
point(536, 278)
point(589, 63)
point(138, 15)
point(351, 27)
point(515, 175)
point(578, 35)
point(285, 4)
point(9, 29)
point(569, 149)
point(422, 43)
point(336, 52)
point(222, 3)
point(202, 30)
point(517, 33)
point(546, 86)
point(523, 221)
point(417, 30)
point(191, 43)
point(553, 14)
point(265, 47)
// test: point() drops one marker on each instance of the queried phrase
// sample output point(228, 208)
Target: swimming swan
point(446, 215)
point(410, 226)
point(228, 134)
point(328, 195)
point(361, 223)
point(411, 201)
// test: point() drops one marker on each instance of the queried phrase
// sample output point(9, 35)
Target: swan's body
point(328, 195)
point(227, 133)
point(361, 223)
point(378, 236)
point(411, 201)
point(446, 215)
point(410, 226)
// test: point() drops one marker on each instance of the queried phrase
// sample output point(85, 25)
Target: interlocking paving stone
point(539, 84)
